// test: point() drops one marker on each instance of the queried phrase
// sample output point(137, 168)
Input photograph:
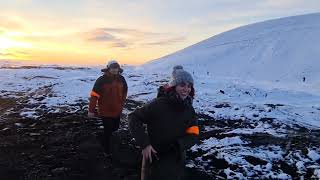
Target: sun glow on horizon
point(10, 48)
point(68, 48)
point(7, 43)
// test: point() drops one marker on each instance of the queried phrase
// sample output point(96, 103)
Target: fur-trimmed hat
point(181, 76)
point(112, 64)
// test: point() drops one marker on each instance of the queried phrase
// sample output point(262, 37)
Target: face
point(183, 90)
point(114, 70)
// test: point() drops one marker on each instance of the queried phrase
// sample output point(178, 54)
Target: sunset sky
point(90, 32)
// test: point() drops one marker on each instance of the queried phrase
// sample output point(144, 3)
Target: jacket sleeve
point(92, 103)
point(95, 95)
point(125, 88)
point(137, 119)
point(191, 135)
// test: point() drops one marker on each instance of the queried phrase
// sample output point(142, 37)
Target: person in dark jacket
point(109, 92)
point(172, 128)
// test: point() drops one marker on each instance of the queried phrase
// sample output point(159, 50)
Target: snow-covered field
point(250, 111)
point(56, 87)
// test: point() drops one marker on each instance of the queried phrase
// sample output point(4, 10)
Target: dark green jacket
point(171, 125)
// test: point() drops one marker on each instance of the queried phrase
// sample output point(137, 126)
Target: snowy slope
point(281, 51)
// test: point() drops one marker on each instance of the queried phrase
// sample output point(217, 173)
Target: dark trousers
point(109, 125)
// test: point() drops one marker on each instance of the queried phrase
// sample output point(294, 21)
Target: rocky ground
point(67, 146)
point(243, 153)
point(62, 146)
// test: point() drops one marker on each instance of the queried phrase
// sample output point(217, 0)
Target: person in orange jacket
point(109, 93)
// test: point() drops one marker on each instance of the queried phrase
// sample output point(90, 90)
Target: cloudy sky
point(131, 31)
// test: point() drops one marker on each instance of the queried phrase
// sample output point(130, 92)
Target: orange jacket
point(110, 91)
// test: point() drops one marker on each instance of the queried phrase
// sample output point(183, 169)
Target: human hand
point(91, 115)
point(147, 153)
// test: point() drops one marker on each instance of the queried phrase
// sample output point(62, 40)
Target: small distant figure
point(304, 79)
point(208, 73)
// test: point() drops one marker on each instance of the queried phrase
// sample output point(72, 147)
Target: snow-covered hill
point(283, 51)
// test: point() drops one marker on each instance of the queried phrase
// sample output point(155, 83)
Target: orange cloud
point(168, 41)
point(128, 38)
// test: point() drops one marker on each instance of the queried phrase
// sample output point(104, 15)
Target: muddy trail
point(68, 146)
